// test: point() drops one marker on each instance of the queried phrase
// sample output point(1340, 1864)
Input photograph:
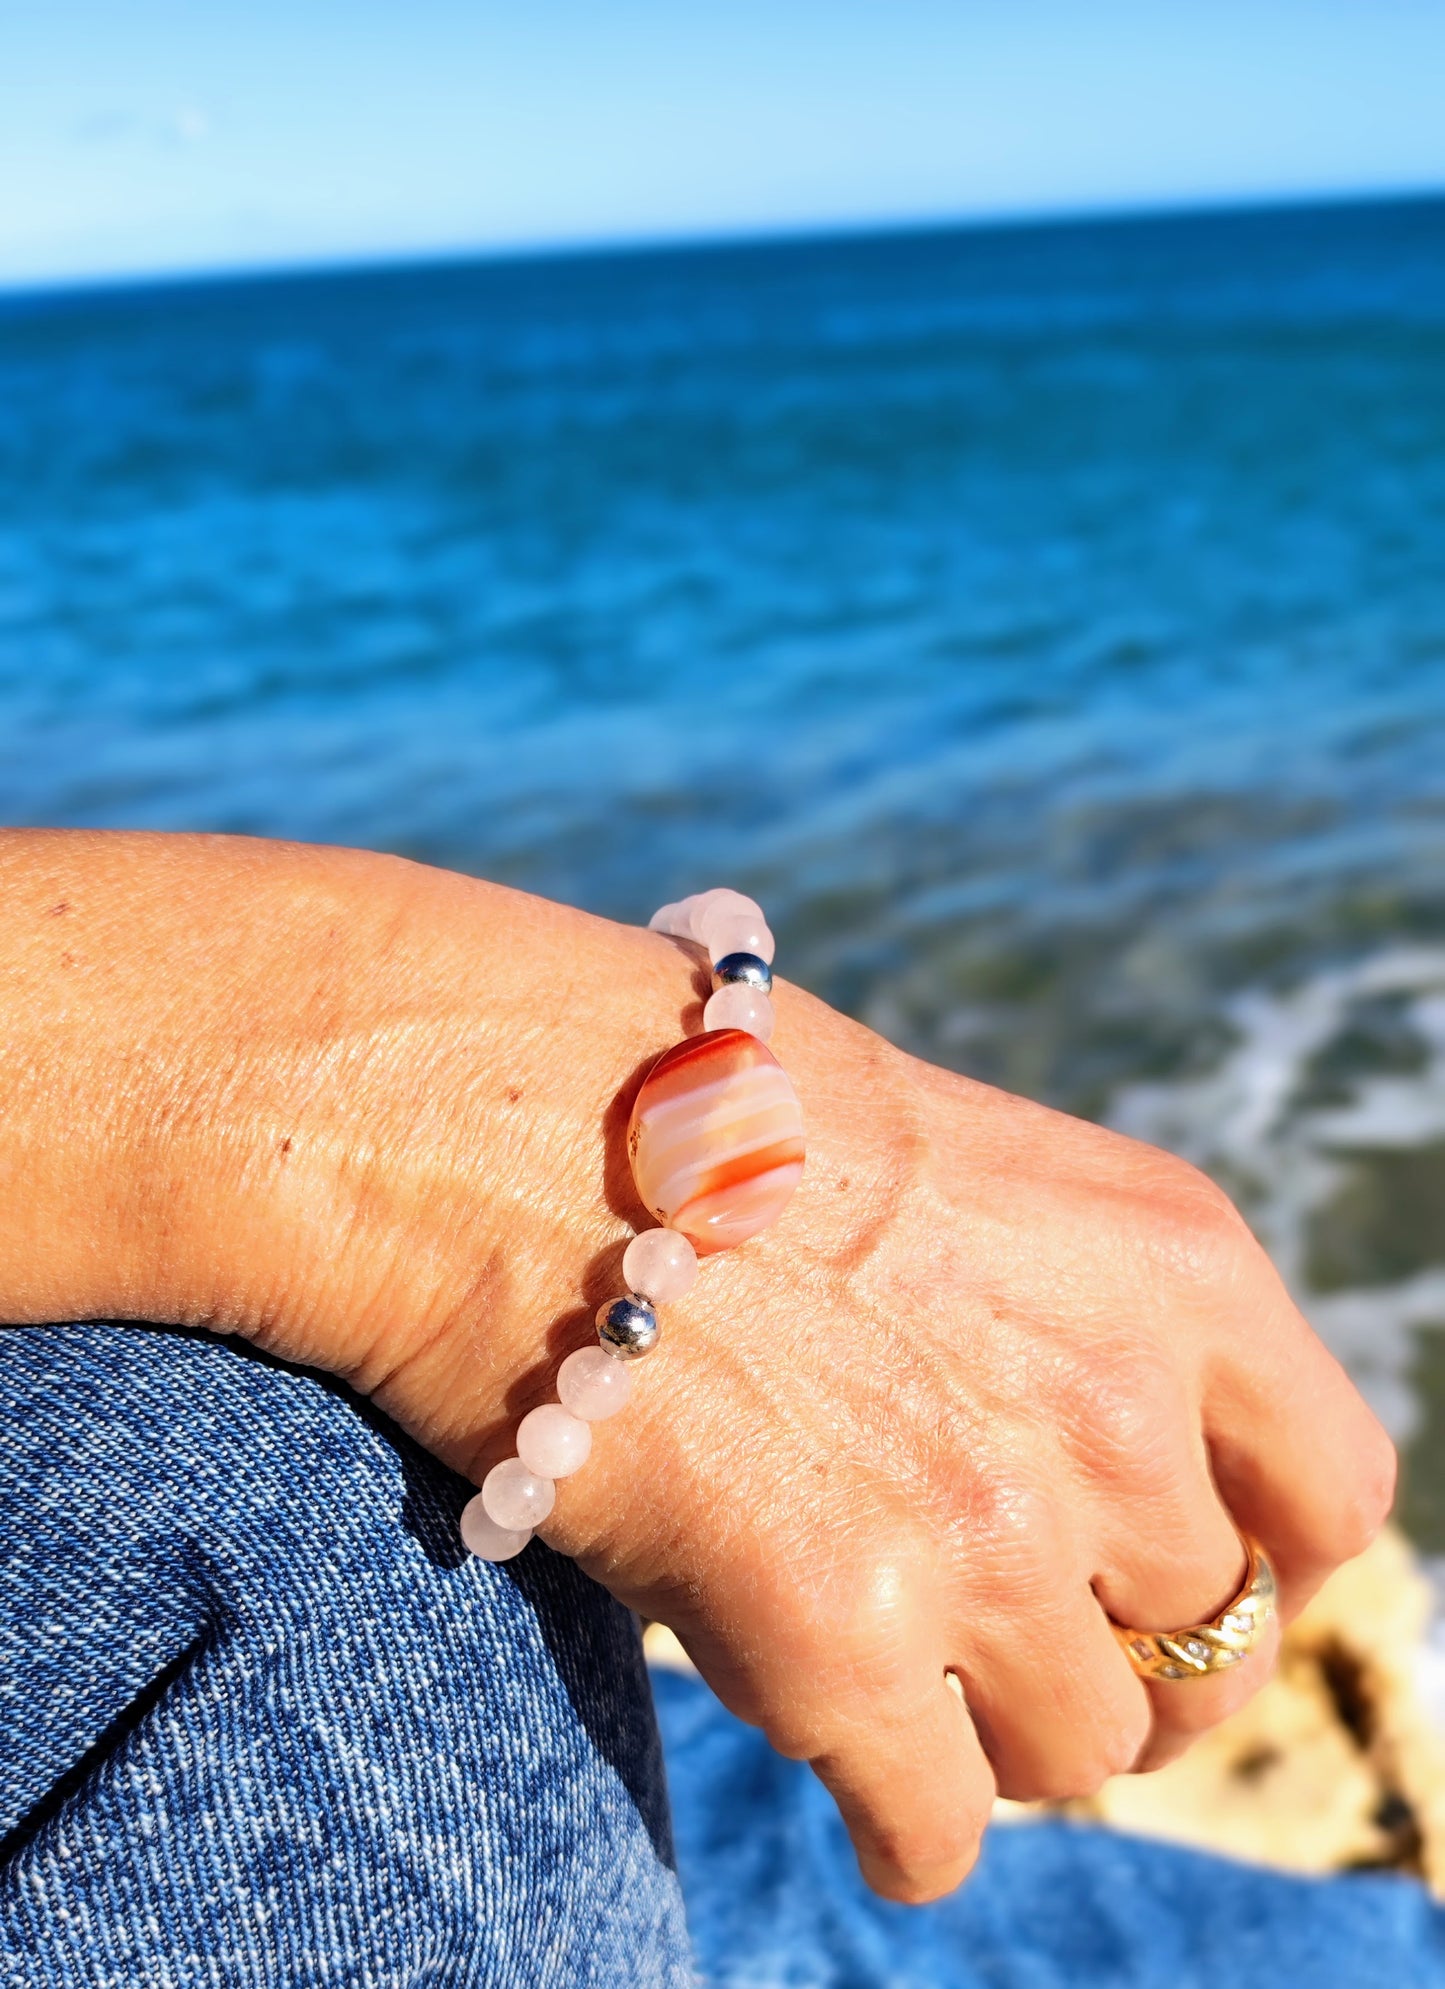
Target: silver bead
point(742, 970)
point(627, 1327)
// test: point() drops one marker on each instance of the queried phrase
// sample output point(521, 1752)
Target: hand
point(995, 1377)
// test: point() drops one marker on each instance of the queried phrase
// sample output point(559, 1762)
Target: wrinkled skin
point(995, 1377)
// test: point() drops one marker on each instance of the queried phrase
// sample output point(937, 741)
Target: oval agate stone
point(716, 1139)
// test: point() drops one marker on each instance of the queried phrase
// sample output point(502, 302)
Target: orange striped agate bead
point(716, 1139)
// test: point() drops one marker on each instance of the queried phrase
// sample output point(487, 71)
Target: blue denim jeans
point(263, 1723)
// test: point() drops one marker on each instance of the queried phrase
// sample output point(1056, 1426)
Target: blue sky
point(158, 135)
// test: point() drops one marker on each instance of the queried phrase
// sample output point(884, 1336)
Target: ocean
point(1047, 622)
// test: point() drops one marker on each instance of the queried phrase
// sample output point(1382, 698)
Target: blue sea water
point(1048, 622)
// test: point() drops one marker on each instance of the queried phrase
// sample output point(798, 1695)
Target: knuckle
point(1371, 1494)
point(914, 1872)
point(919, 1886)
point(1072, 1780)
point(1072, 1774)
point(1122, 1412)
point(1195, 1229)
point(786, 1737)
point(1197, 1195)
point(1127, 1410)
point(1126, 1741)
point(1118, 1745)
point(1015, 1542)
point(873, 1620)
point(852, 1658)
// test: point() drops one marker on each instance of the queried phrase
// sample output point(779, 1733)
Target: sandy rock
point(1335, 1764)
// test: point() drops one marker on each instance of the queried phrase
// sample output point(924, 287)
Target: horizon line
point(382, 260)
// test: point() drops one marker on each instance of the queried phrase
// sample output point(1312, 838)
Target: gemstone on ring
point(1201, 1648)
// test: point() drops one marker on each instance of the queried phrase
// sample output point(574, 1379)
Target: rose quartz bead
point(515, 1497)
point(716, 1139)
point(739, 1007)
point(593, 1385)
point(482, 1536)
point(725, 931)
point(702, 905)
point(553, 1443)
point(676, 920)
point(661, 1264)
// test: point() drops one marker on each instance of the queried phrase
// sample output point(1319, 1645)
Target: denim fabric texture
point(262, 1722)
point(774, 1900)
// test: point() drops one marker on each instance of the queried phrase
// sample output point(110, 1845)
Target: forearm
point(298, 1092)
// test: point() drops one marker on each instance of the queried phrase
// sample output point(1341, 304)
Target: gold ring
point(1212, 1646)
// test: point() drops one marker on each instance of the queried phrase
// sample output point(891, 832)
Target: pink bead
point(552, 1443)
point(593, 1385)
point(704, 904)
point(725, 931)
point(716, 1139)
point(671, 919)
point(515, 1497)
point(661, 1265)
point(482, 1536)
point(739, 1007)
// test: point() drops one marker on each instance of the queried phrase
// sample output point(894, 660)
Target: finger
point(1188, 1707)
point(856, 1687)
point(1057, 1705)
point(1169, 1551)
point(1299, 1459)
point(915, 1791)
point(1175, 1560)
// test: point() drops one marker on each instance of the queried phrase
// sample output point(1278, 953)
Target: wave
point(1326, 1120)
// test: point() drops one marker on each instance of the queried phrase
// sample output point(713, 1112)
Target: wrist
point(368, 1114)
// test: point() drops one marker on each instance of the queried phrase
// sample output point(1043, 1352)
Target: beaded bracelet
point(716, 1146)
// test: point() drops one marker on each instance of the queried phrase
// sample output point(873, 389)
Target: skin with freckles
point(995, 1376)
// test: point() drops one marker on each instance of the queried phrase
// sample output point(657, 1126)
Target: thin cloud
point(189, 124)
point(108, 127)
point(186, 125)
